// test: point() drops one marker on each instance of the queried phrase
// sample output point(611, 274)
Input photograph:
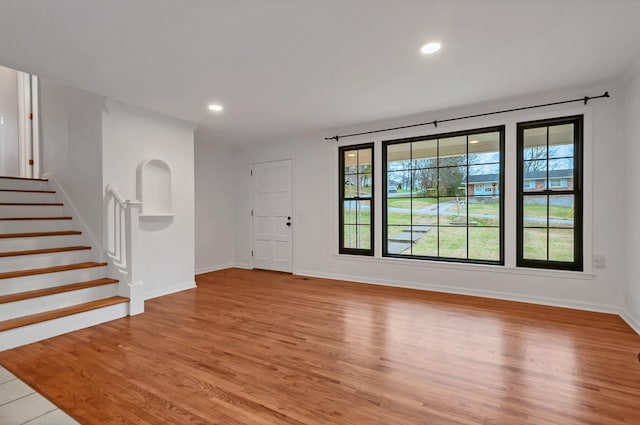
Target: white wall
point(9, 144)
point(215, 191)
point(632, 161)
point(167, 245)
point(71, 148)
point(316, 211)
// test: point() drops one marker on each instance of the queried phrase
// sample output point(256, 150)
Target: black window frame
point(577, 191)
point(341, 247)
point(501, 129)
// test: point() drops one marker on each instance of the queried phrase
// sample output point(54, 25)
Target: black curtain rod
point(585, 99)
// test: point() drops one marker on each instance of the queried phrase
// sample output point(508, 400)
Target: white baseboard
point(68, 204)
point(242, 266)
point(170, 290)
point(631, 320)
point(600, 308)
point(202, 270)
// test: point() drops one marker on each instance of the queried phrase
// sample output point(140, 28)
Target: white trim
point(555, 302)
point(69, 206)
point(170, 290)
point(245, 266)
point(468, 267)
point(210, 269)
point(35, 125)
point(24, 123)
point(631, 320)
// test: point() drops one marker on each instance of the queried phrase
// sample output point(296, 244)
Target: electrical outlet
point(598, 261)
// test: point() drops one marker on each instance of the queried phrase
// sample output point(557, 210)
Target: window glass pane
point(562, 167)
point(425, 153)
point(561, 245)
point(561, 141)
point(452, 151)
point(427, 244)
point(425, 182)
point(484, 148)
point(453, 242)
point(365, 181)
point(364, 160)
point(399, 240)
point(351, 186)
point(364, 236)
point(535, 244)
point(399, 153)
point(350, 235)
point(399, 211)
point(484, 243)
point(484, 211)
point(364, 212)
point(561, 210)
point(349, 211)
point(483, 180)
point(448, 209)
point(535, 211)
point(452, 180)
point(424, 211)
point(350, 162)
point(535, 143)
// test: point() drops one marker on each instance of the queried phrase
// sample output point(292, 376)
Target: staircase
point(49, 281)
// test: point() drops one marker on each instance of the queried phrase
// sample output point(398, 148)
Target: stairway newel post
point(132, 230)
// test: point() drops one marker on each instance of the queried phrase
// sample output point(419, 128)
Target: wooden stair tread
point(31, 204)
point(35, 218)
point(43, 251)
point(55, 290)
point(27, 191)
point(53, 269)
point(62, 312)
point(23, 178)
point(38, 234)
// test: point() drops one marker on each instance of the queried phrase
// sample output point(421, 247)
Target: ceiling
point(287, 67)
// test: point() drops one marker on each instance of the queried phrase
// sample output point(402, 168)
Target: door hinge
point(31, 162)
point(252, 253)
point(251, 213)
point(252, 172)
point(30, 115)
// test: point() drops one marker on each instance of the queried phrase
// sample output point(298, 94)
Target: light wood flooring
point(257, 347)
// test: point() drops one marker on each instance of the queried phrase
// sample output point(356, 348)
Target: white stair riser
point(49, 280)
point(23, 262)
point(27, 197)
point(32, 333)
point(55, 301)
point(15, 184)
point(30, 211)
point(39, 242)
point(30, 226)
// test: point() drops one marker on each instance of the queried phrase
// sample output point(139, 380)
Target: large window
point(550, 201)
point(356, 199)
point(443, 197)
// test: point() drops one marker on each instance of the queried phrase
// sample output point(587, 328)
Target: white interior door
point(272, 216)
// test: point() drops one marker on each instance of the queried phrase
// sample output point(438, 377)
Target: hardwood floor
point(257, 347)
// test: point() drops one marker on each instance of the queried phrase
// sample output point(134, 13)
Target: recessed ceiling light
point(215, 107)
point(430, 48)
point(473, 142)
point(351, 154)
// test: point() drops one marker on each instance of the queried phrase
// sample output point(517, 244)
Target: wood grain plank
point(52, 269)
point(55, 290)
point(256, 347)
point(62, 312)
point(43, 251)
point(40, 234)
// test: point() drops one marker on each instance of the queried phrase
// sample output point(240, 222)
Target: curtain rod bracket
point(435, 123)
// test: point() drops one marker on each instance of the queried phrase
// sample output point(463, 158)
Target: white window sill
point(484, 268)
